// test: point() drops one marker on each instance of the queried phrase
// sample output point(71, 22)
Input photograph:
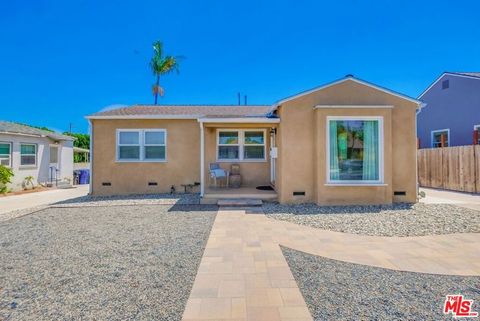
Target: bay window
point(141, 145)
point(241, 145)
point(355, 150)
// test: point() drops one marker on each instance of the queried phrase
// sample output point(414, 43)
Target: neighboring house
point(347, 142)
point(452, 113)
point(29, 151)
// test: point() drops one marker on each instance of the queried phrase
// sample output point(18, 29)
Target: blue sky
point(61, 60)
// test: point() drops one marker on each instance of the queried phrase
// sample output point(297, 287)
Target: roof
point(183, 111)
point(80, 150)
point(348, 78)
point(472, 75)
point(7, 127)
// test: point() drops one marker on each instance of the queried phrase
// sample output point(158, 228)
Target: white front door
point(54, 164)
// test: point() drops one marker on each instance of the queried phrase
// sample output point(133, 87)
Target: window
point(6, 154)
point(147, 145)
point(355, 150)
point(238, 145)
point(28, 154)
point(445, 84)
point(440, 138)
point(475, 128)
point(53, 154)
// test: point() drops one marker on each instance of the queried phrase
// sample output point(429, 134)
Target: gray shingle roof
point(14, 128)
point(187, 110)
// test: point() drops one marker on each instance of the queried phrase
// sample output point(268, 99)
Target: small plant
point(28, 181)
point(5, 178)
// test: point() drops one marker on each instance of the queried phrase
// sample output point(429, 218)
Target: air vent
point(298, 193)
point(106, 184)
point(152, 184)
point(399, 193)
point(445, 84)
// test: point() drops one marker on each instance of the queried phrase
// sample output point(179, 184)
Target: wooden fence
point(454, 168)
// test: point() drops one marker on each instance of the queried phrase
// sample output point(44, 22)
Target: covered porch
point(238, 158)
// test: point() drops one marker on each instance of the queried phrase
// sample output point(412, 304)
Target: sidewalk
point(436, 196)
point(21, 202)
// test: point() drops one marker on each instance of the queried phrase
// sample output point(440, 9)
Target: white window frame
point(241, 145)
point(2, 156)
point(141, 143)
point(432, 134)
point(35, 154)
point(381, 167)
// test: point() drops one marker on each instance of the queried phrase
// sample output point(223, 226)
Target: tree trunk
point(156, 88)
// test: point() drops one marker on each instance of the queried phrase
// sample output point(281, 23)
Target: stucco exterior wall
point(456, 108)
point(40, 171)
point(182, 165)
point(302, 146)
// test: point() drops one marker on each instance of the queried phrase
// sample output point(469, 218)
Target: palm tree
point(161, 65)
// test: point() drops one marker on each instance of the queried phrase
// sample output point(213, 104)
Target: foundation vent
point(400, 193)
point(152, 183)
point(298, 193)
point(106, 184)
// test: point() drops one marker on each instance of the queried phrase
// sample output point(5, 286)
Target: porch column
point(202, 160)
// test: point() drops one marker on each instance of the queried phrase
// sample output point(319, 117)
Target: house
point(346, 142)
point(452, 115)
point(29, 151)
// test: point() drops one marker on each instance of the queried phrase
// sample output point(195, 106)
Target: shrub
point(5, 175)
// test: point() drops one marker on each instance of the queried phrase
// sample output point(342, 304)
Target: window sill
point(355, 184)
point(241, 160)
point(27, 167)
point(140, 161)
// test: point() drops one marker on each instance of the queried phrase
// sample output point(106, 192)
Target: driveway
point(437, 196)
point(24, 201)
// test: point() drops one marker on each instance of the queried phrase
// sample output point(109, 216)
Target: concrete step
point(239, 202)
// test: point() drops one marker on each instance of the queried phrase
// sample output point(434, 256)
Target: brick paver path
point(244, 276)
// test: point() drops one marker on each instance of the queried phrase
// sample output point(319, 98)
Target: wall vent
point(152, 183)
point(298, 193)
point(106, 184)
point(445, 84)
point(399, 193)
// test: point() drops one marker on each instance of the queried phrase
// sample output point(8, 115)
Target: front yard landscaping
point(101, 263)
point(335, 290)
point(381, 220)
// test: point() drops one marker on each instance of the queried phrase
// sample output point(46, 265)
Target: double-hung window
point(28, 154)
point(440, 138)
point(141, 145)
point(6, 154)
point(355, 150)
point(241, 145)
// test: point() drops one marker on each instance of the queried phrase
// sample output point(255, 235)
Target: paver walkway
point(244, 276)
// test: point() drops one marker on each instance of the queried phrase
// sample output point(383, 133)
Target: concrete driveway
point(21, 202)
point(435, 196)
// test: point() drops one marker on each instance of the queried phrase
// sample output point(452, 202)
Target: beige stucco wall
point(182, 165)
point(254, 173)
point(183, 158)
point(302, 146)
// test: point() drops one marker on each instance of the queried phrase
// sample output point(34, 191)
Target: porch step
point(239, 202)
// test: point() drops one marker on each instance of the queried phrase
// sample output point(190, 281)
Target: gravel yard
point(101, 263)
point(335, 290)
point(381, 220)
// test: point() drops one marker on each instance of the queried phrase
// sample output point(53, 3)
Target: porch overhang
point(239, 120)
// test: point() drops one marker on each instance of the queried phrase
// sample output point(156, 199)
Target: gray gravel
point(381, 220)
point(335, 290)
point(101, 263)
point(134, 199)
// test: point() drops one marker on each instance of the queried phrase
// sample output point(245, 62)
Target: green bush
point(5, 175)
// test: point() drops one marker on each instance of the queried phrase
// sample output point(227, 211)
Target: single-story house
point(29, 151)
point(346, 142)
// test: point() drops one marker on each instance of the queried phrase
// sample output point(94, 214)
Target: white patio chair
point(218, 174)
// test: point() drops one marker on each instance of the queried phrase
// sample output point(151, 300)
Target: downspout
point(202, 160)
point(90, 164)
point(417, 112)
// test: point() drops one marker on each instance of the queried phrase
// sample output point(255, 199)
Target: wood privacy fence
point(454, 168)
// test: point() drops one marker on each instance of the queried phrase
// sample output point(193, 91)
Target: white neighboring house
point(28, 151)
